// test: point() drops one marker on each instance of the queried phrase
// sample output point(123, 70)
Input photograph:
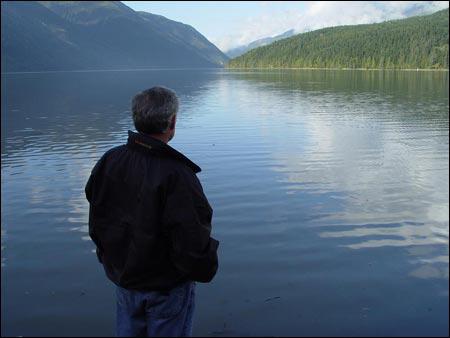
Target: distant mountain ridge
point(238, 51)
point(77, 35)
point(415, 42)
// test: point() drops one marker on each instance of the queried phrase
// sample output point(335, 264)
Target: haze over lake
point(330, 191)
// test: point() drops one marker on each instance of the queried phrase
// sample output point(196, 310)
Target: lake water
point(330, 192)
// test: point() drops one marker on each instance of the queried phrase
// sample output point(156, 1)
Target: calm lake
point(330, 192)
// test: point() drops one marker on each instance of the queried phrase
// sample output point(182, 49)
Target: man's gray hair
point(153, 109)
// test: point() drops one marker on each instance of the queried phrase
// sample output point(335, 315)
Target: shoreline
point(108, 70)
point(314, 68)
point(217, 68)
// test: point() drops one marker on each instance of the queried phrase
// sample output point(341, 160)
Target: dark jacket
point(149, 217)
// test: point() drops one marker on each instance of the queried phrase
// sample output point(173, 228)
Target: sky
point(229, 24)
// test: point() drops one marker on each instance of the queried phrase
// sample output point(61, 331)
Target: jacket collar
point(142, 140)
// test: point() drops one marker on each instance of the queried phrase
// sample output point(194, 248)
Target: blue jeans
point(154, 313)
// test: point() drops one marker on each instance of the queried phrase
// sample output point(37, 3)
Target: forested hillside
point(417, 42)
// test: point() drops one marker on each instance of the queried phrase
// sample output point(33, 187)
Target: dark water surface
point(329, 188)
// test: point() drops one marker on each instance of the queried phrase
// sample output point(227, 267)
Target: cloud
point(319, 14)
point(335, 13)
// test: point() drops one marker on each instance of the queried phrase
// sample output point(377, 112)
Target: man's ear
point(172, 122)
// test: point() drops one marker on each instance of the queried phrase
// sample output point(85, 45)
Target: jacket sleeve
point(89, 191)
point(187, 218)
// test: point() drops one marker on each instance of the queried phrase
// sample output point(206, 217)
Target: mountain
point(416, 42)
point(81, 35)
point(238, 51)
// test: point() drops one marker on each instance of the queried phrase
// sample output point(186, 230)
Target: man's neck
point(162, 137)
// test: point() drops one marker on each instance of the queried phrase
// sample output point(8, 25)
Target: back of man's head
point(153, 110)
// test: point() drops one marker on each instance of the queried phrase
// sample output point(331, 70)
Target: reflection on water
point(334, 181)
point(384, 159)
point(405, 235)
point(3, 233)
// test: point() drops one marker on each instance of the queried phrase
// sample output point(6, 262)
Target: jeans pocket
point(174, 302)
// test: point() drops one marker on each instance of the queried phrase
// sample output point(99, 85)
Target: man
point(151, 223)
